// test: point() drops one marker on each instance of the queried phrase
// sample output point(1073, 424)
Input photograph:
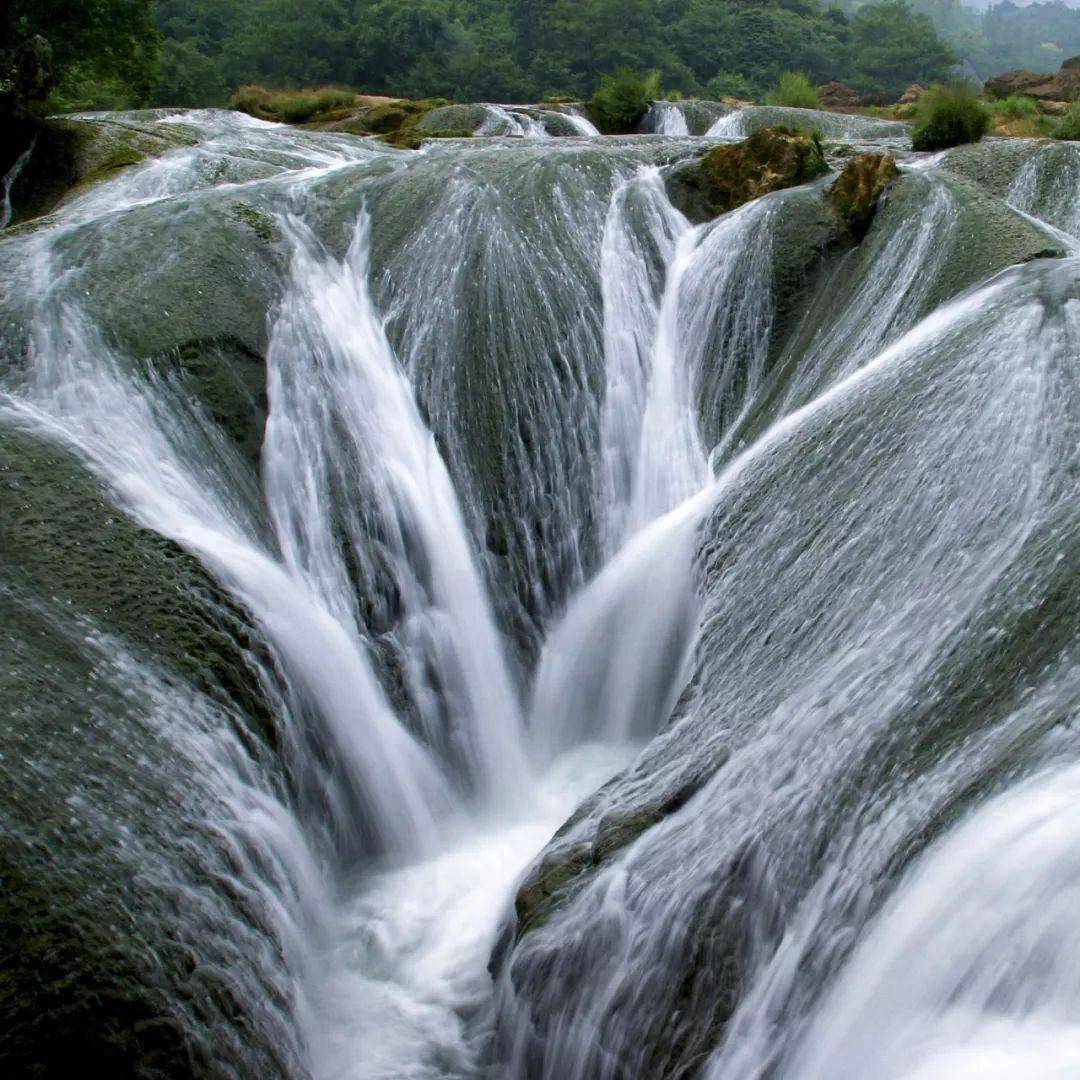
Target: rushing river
point(385, 530)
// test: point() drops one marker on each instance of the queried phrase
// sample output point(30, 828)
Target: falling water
point(564, 540)
point(666, 118)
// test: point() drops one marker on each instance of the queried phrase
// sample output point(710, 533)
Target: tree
point(109, 44)
point(893, 46)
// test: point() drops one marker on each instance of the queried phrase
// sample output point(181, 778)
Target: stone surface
point(730, 175)
point(858, 188)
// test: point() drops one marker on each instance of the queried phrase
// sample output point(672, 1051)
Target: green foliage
point(948, 116)
point(894, 46)
point(105, 52)
point(1068, 127)
point(1015, 108)
point(292, 106)
point(623, 99)
point(795, 91)
point(727, 84)
point(526, 50)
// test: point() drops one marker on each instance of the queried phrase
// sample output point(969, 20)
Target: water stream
point(555, 506)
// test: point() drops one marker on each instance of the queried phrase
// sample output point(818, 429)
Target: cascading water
point(488, 496)
point(666, 118)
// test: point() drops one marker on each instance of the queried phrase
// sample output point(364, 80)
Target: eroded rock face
point(838, 95)
point(858, 188)
point(1043, 86)
point(728, 176)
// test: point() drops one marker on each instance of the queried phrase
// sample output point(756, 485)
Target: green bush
point(728, 84)
point(1016, 108)
point(1068, 127)
point(291, 106)
point(948, 116)
point(623, 99)
point(795, 91)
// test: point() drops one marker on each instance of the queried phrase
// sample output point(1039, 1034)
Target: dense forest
point(112, 53)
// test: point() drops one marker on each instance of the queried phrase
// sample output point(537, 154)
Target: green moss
point(858, 188)
point(261, 224)
point(730, 175)
point(411, 138)
point(293, 106)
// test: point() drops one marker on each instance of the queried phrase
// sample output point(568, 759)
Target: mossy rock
point(410, 138)
point(466, 118)
point(730, 175)
point(858, 188)
point(63, 538)
point(70, 155)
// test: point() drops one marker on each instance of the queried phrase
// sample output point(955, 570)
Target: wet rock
point(70, 155)
point(729, 176)
point(856, 191)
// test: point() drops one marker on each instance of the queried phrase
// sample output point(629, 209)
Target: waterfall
point(733, 124)
point(343, 412)
point(463, 619)
point(9, 182)
point(583, 124)
point(1046, 187)
point(927, 994)
point(162, 460)
point(666, 118)
point(503, 121)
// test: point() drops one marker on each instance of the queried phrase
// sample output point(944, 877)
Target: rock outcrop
point(728, 176)
point(1063, 85)
point(856, 191)
point(839, 96)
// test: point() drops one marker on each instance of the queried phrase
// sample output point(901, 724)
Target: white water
point(342, 408)
point(583, 124)
point(151, 453)
point(501, 120)
point(455, 793)
point(970, 970)
point(666, 118)
point(9, 182)
point(733, 124)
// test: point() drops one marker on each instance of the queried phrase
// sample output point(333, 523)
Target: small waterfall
point(173, 473)
point(580, 121)
point(9, 182)
point(1046, 187)
point(887, 301)
point(343, 411)
point(666, 118)
point(733, 125)
point(687, 313)
point(501, 120)
point(969, 970)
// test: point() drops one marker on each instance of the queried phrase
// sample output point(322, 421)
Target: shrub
point(795, 91)
point(728, 84)
point(1068, 127)
point(623, 99)
point(1016, 108)
point(291, 106)
point(948, 116)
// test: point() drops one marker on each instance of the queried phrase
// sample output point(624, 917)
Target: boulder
point(911, 94)
point(1043, 86)
point(728, 176)
point(839, 96)
point(856, 191)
